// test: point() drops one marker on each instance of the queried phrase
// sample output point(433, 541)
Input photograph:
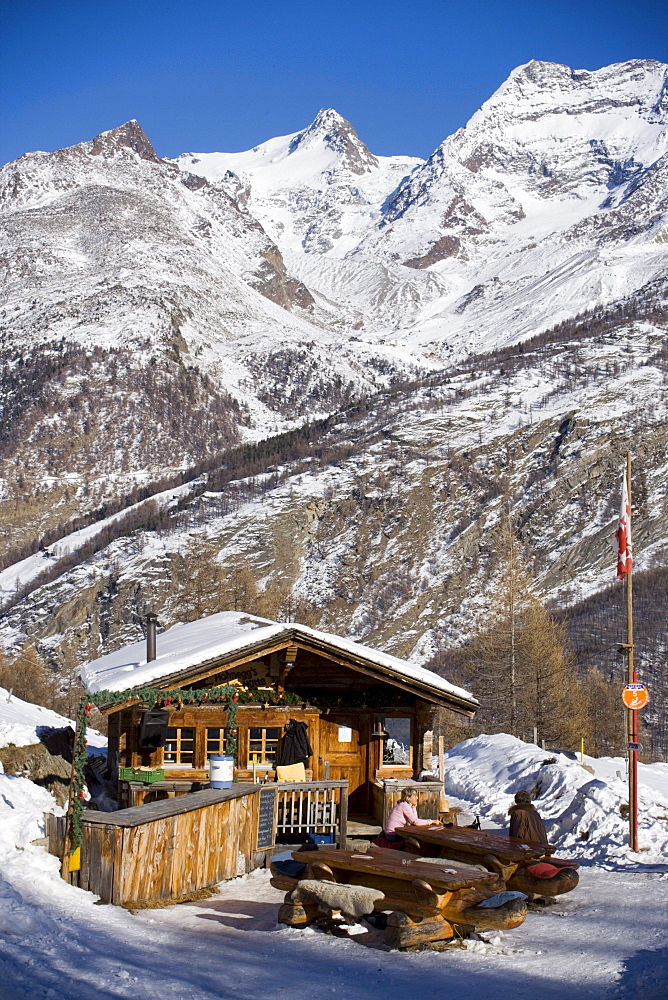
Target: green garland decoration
point(229, 693)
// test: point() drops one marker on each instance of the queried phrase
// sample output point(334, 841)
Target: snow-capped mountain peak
point(316, 190)
point(330, 129)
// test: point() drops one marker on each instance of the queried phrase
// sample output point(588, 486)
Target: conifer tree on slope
point(519, 666)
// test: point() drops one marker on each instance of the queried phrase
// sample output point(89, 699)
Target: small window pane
point(216, 740)
point(169, 749)
point(398, 743)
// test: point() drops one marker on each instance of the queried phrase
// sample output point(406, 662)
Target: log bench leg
point(493, 864)
point(404, 932)
point(297, 914)
point(564, 881)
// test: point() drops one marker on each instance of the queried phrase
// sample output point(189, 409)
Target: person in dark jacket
point(525, 821)
point(295, 748)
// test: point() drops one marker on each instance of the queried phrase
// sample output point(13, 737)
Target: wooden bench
point(508, 857)
point(428, 902)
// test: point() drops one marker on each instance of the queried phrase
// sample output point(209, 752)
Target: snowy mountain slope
point(126, 282)
point(108, 246)
point(317, 190)
point(387, 530)
point(553, 194)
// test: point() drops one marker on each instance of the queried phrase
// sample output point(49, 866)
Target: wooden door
point(344, 742)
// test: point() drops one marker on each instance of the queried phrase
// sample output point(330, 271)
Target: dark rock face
point(59, 742)
point(131, 135)
point(279, 287)
point(447, 246)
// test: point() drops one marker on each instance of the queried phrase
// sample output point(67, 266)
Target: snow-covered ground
point(20, 722)
point(581, 809)
point(607, 939)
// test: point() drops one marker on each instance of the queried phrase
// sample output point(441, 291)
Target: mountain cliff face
point(484, 332)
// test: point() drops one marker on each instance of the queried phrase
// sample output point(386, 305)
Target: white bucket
point(221, 770)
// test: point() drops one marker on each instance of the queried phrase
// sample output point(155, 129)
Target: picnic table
point(508, 857)
point(428, 901)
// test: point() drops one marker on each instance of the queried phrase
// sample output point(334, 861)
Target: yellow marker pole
point(582, 749)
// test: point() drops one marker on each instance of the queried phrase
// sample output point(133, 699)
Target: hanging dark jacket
point(296, 748)
point(526, 824)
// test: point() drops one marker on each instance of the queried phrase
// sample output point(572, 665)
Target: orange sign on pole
point(635, 696)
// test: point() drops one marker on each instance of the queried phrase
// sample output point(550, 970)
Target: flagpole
point(631, 679)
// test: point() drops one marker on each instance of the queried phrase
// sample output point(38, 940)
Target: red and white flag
point(623, 536)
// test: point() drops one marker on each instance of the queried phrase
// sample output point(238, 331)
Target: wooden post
point(632, 679)
point(325, 771)
point(343, 818)
point(67, 839)
point(428, 751)
point(443, 805)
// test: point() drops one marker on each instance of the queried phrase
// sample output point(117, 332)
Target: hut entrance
point(344, 742)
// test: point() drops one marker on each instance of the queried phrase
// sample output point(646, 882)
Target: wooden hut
point(366, 711)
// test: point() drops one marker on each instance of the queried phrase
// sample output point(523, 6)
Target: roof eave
point(292, 636)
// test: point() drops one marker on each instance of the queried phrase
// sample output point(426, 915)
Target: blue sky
point(205, 75)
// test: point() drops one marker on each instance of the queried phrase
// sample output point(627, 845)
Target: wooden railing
point(308, 807)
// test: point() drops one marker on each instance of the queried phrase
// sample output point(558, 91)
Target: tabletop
point(447, 876)
point(478, 842)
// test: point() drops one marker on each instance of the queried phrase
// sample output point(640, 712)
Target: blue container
point(221, 770)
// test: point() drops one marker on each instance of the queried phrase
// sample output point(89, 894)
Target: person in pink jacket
point(405, 814)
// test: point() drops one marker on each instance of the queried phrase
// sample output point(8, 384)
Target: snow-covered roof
point(185, 649)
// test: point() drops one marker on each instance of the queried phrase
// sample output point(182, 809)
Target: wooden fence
point(173, 847)
point(386, 793)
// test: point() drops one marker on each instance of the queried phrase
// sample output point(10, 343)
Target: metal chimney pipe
point(151, 623)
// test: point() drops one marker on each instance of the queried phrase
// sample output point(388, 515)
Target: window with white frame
point(263, 745)
point(179, 747)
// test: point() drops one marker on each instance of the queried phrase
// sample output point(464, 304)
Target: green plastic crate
point(138, 774)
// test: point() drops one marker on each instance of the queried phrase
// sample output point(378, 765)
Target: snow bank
point(22, 808)
point(20, 722)
point(581, 811)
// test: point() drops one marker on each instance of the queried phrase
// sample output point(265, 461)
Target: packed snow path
point(607, 940)
point(63, 946)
